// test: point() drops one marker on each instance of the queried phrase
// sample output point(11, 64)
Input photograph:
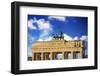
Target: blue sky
point(42, 27)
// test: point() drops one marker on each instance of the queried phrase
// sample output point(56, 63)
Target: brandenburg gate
point(57, 49)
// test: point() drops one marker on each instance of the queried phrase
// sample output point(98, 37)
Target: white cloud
point(75, 38)
point(44, 33)
point(43, 24)
point(67, 37)
point(83, 37)
point(40, 39)
point(30, 23)
point(61, 18)
point(45, 39)
point(44, 27)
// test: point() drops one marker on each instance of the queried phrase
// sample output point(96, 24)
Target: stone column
point(36, 56)
point(41, 55)
point(54, 55)
point(33, 56)
point(81, 54)
point(72, 55)
point(51, 56)
point(45, 56)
